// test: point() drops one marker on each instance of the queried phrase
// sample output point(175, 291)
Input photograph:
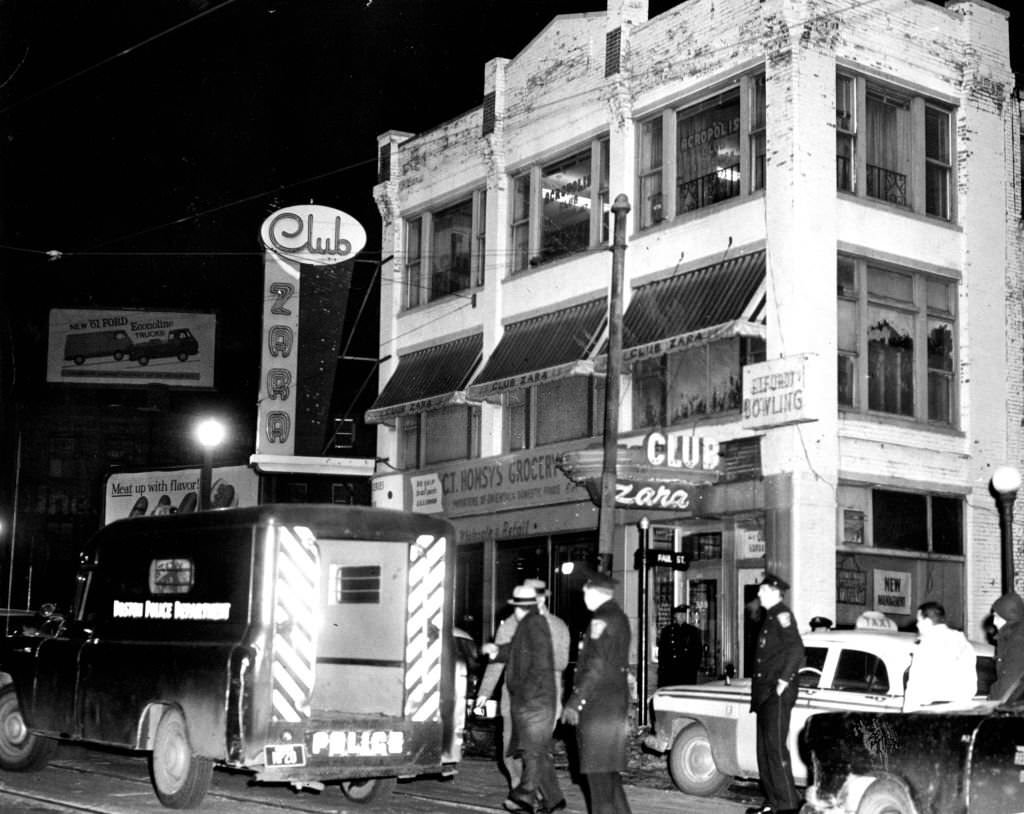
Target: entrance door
point(750, 616)
point(704, 611)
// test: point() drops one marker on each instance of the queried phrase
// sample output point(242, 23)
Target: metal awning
point(427, 379)
point(694, 308)
point(543, 348)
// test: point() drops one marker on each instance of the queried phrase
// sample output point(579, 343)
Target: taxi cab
point(709, 733)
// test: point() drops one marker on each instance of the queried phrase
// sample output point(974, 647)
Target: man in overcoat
point(679, 650)
point(599, 704)
point(780, 654)
point(530, 678)
point(1008, 618)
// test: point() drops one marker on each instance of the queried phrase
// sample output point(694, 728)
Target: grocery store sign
point(314, 235)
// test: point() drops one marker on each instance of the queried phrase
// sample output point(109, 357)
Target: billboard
point(169, 491)
point(127, 347)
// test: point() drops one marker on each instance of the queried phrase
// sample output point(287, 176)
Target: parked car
point(709, 732)
point(948, 759)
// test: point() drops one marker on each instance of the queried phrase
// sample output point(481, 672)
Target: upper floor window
point(444, 250)
point(896, 328)
point(448, 434)
point(719, 152)
point(699, 381)
point(560, 208)
point(893, 146)
point(562, 410)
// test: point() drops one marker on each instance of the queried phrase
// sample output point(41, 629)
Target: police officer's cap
point(597, 579)
point(775, 582)
point(821, 621)
point(680, 609)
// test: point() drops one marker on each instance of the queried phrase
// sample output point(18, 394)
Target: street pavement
point(479, 783)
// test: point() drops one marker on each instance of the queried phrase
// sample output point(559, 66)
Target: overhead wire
point(122, 53)
point(519, 99)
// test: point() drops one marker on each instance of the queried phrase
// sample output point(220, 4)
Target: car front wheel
point(692, 765)
point(20, 750)
point(886, 796)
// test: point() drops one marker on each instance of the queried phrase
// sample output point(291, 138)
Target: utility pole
point(606, 521)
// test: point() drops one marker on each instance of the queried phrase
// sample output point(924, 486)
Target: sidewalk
point(480, 783)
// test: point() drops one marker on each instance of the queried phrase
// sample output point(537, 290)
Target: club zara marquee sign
point(295, 236)
point(664, 472)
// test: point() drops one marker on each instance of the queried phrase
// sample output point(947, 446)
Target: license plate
point(286, 754)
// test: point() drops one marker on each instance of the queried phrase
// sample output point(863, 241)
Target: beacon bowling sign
point(781, 391)
point(296, 236)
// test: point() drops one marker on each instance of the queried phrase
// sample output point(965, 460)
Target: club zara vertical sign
point(293, 237)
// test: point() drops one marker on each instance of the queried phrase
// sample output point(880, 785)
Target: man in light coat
point(942, 669)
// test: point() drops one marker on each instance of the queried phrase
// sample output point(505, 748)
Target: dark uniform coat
point(530, 678)
point(679, 654)
point(780, 654)
point(601, 691)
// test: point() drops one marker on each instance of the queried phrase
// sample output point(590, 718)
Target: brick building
point(822, 308)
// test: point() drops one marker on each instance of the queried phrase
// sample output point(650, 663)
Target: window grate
point(489, 114)
point(357, 585)
point(613, 52)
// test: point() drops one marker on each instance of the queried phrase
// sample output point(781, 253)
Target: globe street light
point(1005, 483)
point(210, 434)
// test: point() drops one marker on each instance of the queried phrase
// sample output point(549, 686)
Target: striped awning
point(695, 308)
point(427, 379)
point(543, 348)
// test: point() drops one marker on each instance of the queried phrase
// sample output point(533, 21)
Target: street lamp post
point(210, 434)
point(641, 629)
point(1005, 483)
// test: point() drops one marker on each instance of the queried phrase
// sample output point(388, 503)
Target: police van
point(308, 644)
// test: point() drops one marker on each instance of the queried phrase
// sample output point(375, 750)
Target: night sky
point(147, 141)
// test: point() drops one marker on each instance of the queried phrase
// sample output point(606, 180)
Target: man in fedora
point(560, 637)
point(599, 704)
point(780, 654)
point(530, 678)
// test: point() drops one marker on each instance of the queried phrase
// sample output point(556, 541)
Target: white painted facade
point(554, 98)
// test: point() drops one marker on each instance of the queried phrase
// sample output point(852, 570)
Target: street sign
point(675, 560)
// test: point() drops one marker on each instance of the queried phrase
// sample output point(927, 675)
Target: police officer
point(679, 650)
point(780, 654)
point(598, 706)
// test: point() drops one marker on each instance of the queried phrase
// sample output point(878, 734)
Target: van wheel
point(79, 360)
point(692, 765)
point(118, 355)
point(886, 796)
point(20, 750)
point(182, 357)
point(180, 777)
point(142, 360)
point(368, 789)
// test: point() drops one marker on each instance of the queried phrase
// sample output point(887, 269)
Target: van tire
point(691, 763)
point(886, 796)
point(118, 355)
point(79, 360)
point(20, 749)
point(180, 777)
point(182, 357)
point(142, 360)
point(368, 789)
